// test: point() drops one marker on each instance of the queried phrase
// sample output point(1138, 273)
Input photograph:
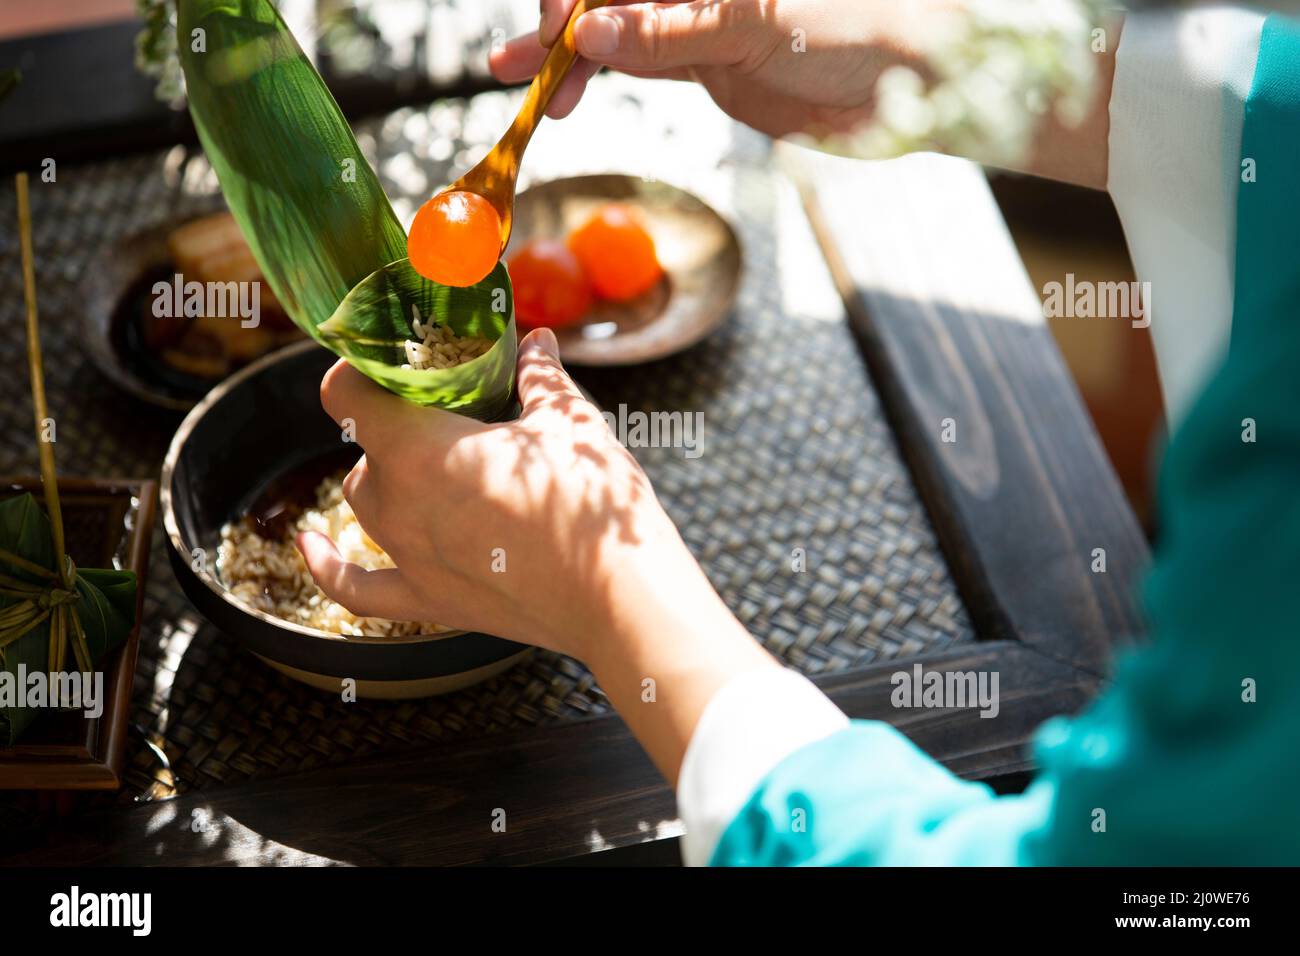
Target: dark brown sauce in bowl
point(164, 361)
point(285, 497)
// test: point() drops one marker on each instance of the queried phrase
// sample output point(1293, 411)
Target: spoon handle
point(496, 174)
point(494, 177)
point(557, 64)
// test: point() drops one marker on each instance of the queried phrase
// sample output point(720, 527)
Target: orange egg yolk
point(455, 239)
point(617, 253)
point(550, 289)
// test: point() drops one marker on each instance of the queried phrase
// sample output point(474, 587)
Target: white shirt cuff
point(750, 725)
point(1176, 110)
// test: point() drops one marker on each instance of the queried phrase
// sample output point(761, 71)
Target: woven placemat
point(797, 454)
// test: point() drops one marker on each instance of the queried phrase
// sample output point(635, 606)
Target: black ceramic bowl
point(257, 426)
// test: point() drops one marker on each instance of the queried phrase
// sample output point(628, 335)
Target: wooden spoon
point(494, 178)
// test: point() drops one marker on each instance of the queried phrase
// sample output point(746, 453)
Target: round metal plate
point(698, 249)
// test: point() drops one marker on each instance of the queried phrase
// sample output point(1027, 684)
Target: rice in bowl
point(271, 576)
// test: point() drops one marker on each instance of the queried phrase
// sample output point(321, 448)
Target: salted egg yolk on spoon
point(455, 238)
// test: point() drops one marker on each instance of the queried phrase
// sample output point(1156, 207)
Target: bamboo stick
point(61, 615)
point(49, 480)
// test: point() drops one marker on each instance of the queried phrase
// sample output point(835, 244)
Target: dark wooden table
point(954, 339)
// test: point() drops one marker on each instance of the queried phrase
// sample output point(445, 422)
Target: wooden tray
point(107, 524)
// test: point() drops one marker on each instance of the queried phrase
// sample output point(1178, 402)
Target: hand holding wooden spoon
point(458, 235)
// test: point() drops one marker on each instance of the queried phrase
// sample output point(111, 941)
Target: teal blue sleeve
point(867, 796)
point(1190, 757)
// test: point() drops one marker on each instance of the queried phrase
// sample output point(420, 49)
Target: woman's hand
point(517, 529)
point(543, 530)
point(801, 66)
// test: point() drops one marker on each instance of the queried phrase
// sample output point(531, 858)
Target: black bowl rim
point(208, 577)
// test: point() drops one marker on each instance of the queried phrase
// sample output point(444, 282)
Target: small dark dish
point(698, 249)
point(114, 288)
point(258, 426)
point(117, 290)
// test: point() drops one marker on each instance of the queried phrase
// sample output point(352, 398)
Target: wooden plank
point(566, 791)
point(954, 335)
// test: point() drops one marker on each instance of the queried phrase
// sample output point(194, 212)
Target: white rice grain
point(271, 576)
point(438, 346)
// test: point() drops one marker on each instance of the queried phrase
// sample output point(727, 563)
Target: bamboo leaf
point(374, 319)
point(118, 587)
point(16, 561)
point(312, 209)
point(28, 650)
point(15, 629)
point(25, 533)
point(103, 615)
point(105, 622)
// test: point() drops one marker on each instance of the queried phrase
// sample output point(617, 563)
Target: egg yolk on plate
point(617, 253)
point(455, 239)
point(550, 288)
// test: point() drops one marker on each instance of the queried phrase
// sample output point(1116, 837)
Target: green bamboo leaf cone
point(317, 219)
